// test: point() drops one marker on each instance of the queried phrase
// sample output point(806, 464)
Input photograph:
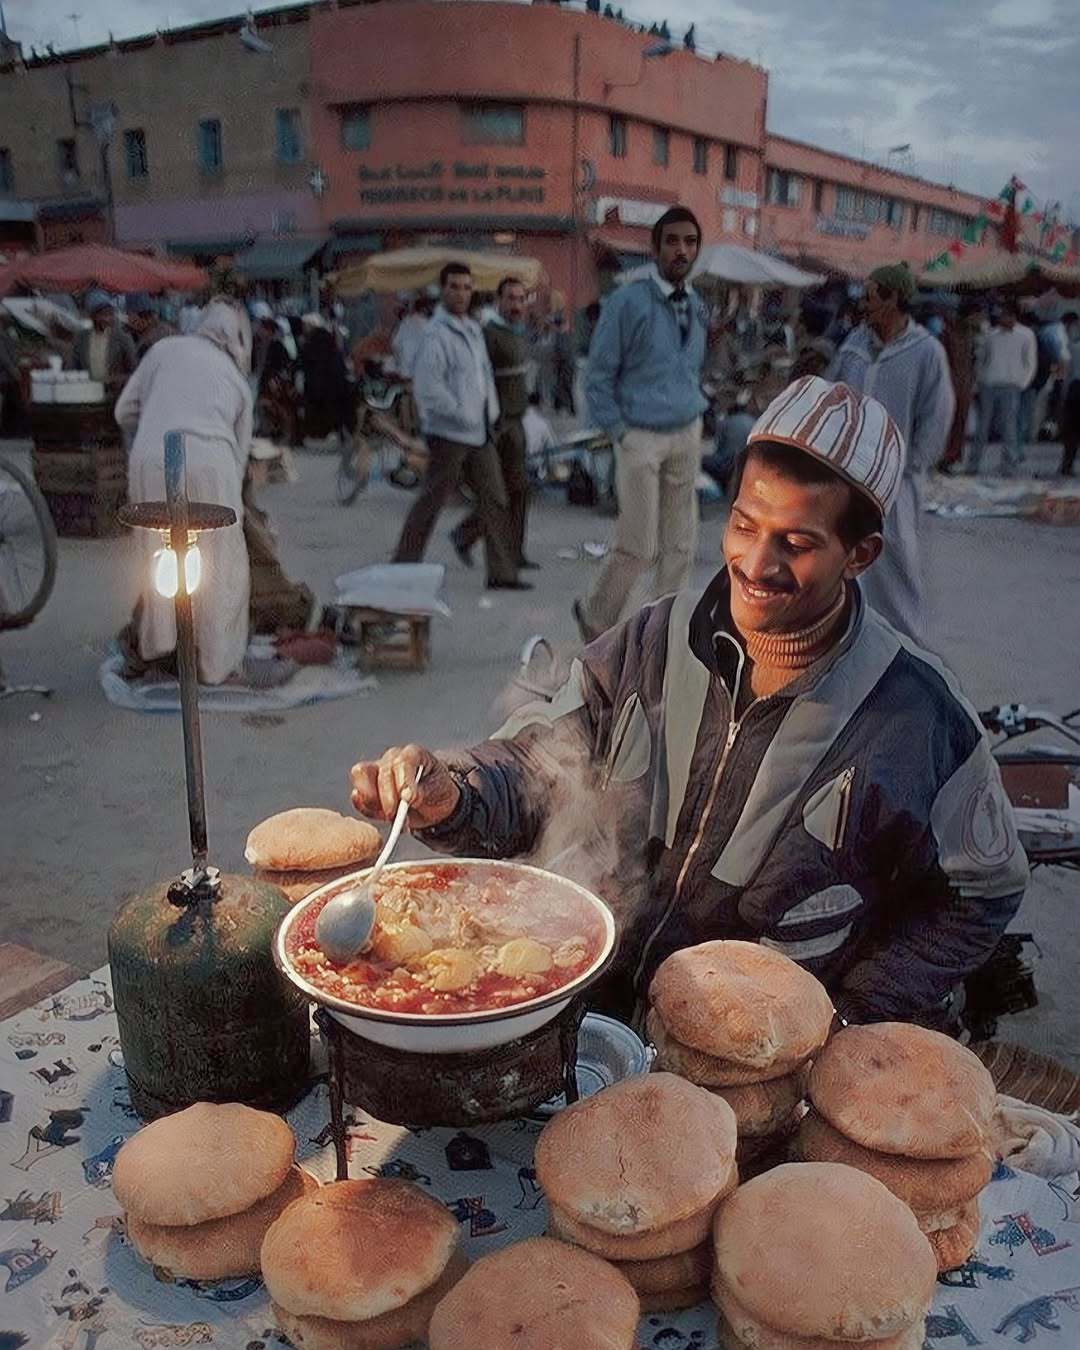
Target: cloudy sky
point(980, 89)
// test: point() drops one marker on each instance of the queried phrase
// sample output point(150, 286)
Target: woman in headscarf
point(198, 385)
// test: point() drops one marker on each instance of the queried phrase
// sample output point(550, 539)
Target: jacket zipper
point(699, 834)
point(847, 778)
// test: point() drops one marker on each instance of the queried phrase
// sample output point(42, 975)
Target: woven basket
point(1031, 1077)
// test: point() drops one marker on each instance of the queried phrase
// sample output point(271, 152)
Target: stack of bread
point(634, 1174)
point(538, 1295)
point(743, 1021)
point(811, 1256)
point(360, 1265)
point(915, 1110)
point(302, 849)
point(200, 1188)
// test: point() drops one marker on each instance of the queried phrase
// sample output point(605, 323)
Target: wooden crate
point(80, 465)
point(389, 641)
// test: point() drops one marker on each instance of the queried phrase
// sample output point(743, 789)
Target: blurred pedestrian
point(146, 324)
point(197, 385)
point(508, 351)
point(897, 361)
point(408, 335)
point(329, 402)
point(1070, 406)
point(105, 350)
point(564, 364)
point(643, 385)
point(454, 389)
point(1008, 364)
point(960, 340)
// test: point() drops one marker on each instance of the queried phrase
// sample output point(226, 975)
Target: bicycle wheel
point(27, 548)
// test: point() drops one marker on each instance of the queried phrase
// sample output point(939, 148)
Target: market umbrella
point(83, 266)
point(411, 269)
point(735, 265)
point(1016, 272)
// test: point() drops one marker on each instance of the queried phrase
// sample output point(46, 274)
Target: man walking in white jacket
point(454, 389)
point(1007, 367)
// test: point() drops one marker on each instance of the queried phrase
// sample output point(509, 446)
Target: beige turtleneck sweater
point(775, 659)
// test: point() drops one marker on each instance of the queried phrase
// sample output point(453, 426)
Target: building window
point(819, 195)
point(135, 153)
point(782, 188)
point(7, 170)
point(661, 145)
point(355, 128)
point(493, 123)
point(617, 135)
point(67, 159)
point(870, 208)
point(731, 162)
point(948, 223)
point(211, 155)
point(914, 218)
point(290, 143)
point(701, 155)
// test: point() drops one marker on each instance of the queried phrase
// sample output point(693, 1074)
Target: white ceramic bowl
point(447, 1033)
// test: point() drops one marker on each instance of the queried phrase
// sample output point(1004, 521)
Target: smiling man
point(768, 761)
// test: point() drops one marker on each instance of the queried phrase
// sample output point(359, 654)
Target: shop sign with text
point(460, 182)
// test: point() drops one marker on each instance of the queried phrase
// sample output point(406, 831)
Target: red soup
point(450, 940)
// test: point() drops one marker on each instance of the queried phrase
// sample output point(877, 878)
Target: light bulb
point(167, 574)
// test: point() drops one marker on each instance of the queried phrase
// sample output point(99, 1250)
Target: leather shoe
point(510, 585)
point(527, 565)
point(459, 548)
point(588, 634)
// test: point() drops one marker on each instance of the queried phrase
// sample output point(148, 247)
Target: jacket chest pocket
point(825, 815)
point(630, 749)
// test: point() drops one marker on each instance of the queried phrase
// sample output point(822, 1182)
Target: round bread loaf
point(873, 1271)
point(357, 1249)
point(220, 1249)
point(666, 1273)
point(934, 1221)
point(765, 1108)
point(953, 1246)
point(670, 1240)
point(638, 1156)
point(697, 1067)
point(389, 1331)
point(311, 839)
point(202, 1163)
point(742, 1002)
point(674, 1300)
point(738, 1330)
point(902, 1089)
point(926, 1184)
point(538, 1295)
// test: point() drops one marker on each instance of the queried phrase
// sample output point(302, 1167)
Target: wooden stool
point(389, 641)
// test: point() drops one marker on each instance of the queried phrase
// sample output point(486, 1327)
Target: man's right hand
point(379, 785)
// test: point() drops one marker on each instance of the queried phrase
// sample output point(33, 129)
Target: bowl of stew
point(465, 954)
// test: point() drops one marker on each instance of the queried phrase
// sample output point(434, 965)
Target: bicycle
point(27, 558)
point(380, 443)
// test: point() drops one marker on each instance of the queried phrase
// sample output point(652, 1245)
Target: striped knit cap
point(848, 431)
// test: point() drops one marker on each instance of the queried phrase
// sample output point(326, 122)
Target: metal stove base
point(420, 1091)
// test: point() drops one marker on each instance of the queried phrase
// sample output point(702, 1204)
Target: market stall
point(412, 269)
point(1016, 274)
point(73, 1279)
point(80, 463)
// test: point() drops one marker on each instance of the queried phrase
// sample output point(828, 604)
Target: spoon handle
point(395, 833)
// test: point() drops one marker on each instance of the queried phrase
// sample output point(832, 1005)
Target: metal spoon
point(344, 924)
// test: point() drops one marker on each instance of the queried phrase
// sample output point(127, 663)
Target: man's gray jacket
point(854, 821)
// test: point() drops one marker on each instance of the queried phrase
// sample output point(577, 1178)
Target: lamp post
point(177, 572)
point(653, 52)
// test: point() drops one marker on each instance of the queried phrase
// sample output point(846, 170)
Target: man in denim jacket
point(643, 386)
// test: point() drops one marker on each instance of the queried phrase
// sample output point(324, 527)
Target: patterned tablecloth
point(69, 1279)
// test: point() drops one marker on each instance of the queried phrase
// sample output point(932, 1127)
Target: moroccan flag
point(956, 248)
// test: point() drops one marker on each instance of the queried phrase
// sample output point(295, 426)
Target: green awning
point(279, 257)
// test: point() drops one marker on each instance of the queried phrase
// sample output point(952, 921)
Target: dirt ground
point(92, 798)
